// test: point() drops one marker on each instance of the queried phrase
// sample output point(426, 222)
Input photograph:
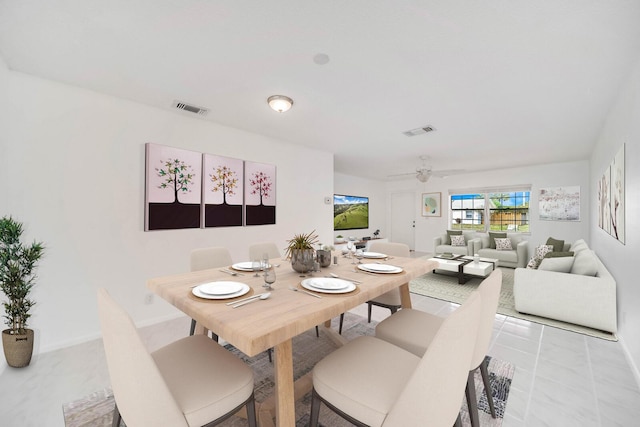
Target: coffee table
point(464, 267)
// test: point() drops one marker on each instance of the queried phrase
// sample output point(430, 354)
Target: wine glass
point(354, 250)
point(269, 277)
point(350, 246)
point(359, 255)
point(256, 266)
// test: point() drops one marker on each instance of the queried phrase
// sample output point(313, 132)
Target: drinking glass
point(269, 277)
point(256, 266)
point(359, 255)
point(350, 246)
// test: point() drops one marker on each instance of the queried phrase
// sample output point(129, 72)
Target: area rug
point(96, 410)
point(445, 287)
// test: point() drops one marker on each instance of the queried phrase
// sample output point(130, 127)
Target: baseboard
point(632, 364)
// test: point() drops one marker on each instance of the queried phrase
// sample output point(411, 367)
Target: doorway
point(403, 218)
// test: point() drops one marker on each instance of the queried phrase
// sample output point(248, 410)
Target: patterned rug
point(97, 409)
point(446, 287)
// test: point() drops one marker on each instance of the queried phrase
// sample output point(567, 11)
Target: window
point(491, 209)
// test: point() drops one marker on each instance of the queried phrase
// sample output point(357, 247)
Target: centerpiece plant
point(18, 263)
point(300, 250)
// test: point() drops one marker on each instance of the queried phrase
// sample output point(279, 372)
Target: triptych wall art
point(611, 200)
point(187, 189)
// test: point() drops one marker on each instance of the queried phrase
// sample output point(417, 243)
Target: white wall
point(622, 127)
point(75, 160)
point(551, 175)
point(356, 186)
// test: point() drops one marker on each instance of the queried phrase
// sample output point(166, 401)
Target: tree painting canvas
point(173, 188)
point(260, 193)
point(223, 191)
point(616, 197)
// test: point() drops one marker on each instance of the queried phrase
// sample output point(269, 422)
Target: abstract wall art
point(611, 197)
point(559, 203)
point(431, 204)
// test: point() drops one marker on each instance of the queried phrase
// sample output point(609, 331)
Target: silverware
point(335, 276)
point(233, 273)
point(302, 290)
point(261, 297)
point(245, 299)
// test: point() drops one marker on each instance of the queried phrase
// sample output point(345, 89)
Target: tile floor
point(562, 379)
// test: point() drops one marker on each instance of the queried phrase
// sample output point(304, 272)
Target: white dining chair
point(190, 382)
point(414, 331)
point(257, 250)
point(371, 382)
point(391, 299)
point(204, 259)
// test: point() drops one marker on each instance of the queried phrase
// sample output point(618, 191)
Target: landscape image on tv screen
point(350, 212)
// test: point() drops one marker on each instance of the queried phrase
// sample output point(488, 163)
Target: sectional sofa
point(577, 289)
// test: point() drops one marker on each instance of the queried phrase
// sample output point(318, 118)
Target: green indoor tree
point(17, 274)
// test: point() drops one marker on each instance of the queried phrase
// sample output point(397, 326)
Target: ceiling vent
point(190, 108)
point(419, 131)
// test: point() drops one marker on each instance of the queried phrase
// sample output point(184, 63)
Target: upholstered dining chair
point(414, 330)
point(371, 382)
point(391, 299)
point(190, 382)
point(257, 250)
point(206, 258)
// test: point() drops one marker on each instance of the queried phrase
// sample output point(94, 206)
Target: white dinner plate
point(375, 255)
point(243, 290)
point(220, 288)
point(327, 283)
point(340, 286)
point(244, 266)
point(380, 268)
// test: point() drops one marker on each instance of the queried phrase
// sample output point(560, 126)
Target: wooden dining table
point(273, 322)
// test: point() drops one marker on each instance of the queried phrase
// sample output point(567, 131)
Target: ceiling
point(503, 82)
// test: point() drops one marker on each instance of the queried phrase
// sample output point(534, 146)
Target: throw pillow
point(559, 264)
point(585, 263)
point(559, 254)
point(538, 255)
point(457, 241)
point(452, 233)
point(503, 244)
point(492, 238)
point(558, 245)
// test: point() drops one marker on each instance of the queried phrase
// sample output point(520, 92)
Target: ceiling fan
point(424, 172)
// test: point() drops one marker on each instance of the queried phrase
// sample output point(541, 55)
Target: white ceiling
point(504, 82)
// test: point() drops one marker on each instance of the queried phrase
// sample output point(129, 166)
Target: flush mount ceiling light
point(280, 103)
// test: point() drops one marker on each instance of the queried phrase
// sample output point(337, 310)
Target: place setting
point(379, 268)
point(328, 285)
point(220, 290)
point(374, 255)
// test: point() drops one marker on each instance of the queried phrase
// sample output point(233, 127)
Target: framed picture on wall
point(431, 204)
point(173, 188)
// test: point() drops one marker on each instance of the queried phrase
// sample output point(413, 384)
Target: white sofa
point(586, 295)
point(441, 246)
point(506, 258)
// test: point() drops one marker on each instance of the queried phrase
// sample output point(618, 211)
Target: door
point(403, 218)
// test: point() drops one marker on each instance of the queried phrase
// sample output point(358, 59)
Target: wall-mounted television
point(350, 212)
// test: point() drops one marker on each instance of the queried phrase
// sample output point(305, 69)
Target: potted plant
point(300, 250)
point(17, 277)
